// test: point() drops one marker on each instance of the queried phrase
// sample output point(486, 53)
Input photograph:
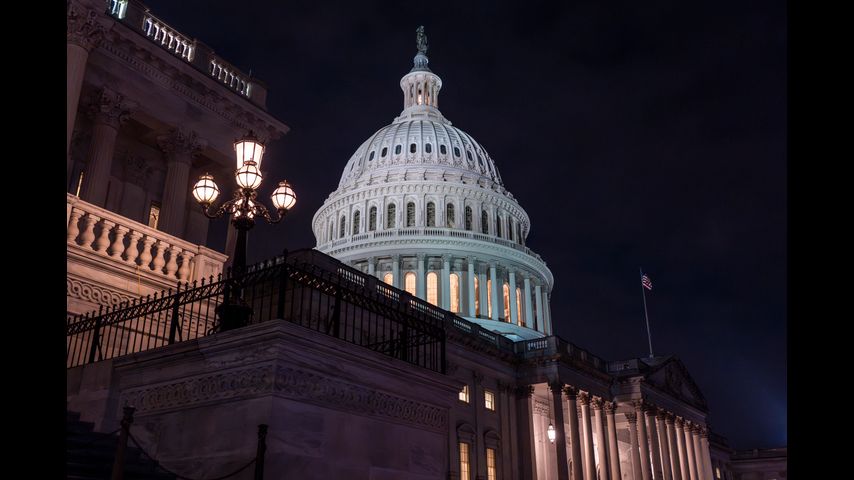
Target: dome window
point(372, 155)
point(341, 228)
point(431, 214)
point(397, 150)
point(357, 218)
point(410, 214)
point(390, 214)
point(443, 150)
point(468, 155)
point(450, 215)
point(412, 148)
point(428, 148)
point(372, 219)
point(456, 152)
point(384, 152)
point(468, 218)
point(484, 222)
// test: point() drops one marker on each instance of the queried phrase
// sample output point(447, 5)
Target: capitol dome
point(421, 205)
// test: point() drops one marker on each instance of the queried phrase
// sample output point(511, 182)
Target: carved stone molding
point(137, 170)
point(584, 398)
point(180, 144)
point(542, 408)
point(610, 407)
point(82, 27)
point(556, 387)
point(571, 392)
point(110, 108)
point(93, 293)
point(631, 417)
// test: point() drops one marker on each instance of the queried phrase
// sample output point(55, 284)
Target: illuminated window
point(491, 473)
point(153, 214)
point(431, 214)
point(443, 150)
point(79, 184)
point(506, 291)
point(465, 471)
point(397, 150)
point(389, 218)
point(410, 214)
point(717, 471)
point(372, 219)
point(476, 298)
point(357, 217)
point(412, 148)
point(489, 298)
point(455, 293)
point(433, 288)
point(450, 215)
point(489, 400)
point(468, 218)
point(519, 306)
point(341, 227)
point(388, 278)
point(484, 222)
point(409, 283)
point(464, 394)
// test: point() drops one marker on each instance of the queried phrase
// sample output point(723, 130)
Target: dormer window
point(456, 152)
point(397, 150)
point(443, 150)
point(428, 148)
point(384, 152)
point(412, 148)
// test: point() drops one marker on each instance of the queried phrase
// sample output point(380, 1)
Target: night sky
point(635, 134)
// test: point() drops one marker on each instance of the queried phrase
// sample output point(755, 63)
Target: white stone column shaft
point(83, 33)
point(526, 300)
point(707, 459)
point(689, 449)
point(637, 469)
point(665, 448)
point(653, 443)
point(395, 271)
point(698, 454)
point(675, 453)
point(514, 314)
point(470, 282)
point(575, 455)
point(493, 276)
point(109, 112)
point(539, 301)
point(601, 441)
point(484, 297)
point(560, 432)
point(587, 428)
point(683, 449)
point(613, 447)
point(643, 443)
point(421, 281)
point(445, 301)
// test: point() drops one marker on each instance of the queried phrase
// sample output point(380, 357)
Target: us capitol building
point(415, 340)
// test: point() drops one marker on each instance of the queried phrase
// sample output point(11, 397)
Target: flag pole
point(645, 315)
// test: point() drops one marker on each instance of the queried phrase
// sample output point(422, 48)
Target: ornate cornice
point(82, 27)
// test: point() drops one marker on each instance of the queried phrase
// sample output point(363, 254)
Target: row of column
point(478, 270)
point(666, 447)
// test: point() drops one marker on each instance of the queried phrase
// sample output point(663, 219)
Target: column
point(665, 448)
point(613, 447)
point(494, 277)
point(529, 311)
point(704, 448)
point(539, 301)
point(484, 298)
point(601, 443)
point(653, 442)
point(478, 454)
point(683, 449)
point(372, 266)
point(137, 171)
point(470, 281)
point(560, 433)
point(395, 271)
point(445, 301)
point(698, 452)
point(505, 461)
point(109, 111)
point(179, 146)
point(421, 281)
point(646, 471)
point(514, 315)
point(574, 435)
point(689, 451)
point(587, 432)
point(632, 418)
point(675, 452)
point(83, 33)
point(547, 309)
point(526, 432)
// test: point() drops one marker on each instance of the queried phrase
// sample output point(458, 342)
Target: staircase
point(90, 455)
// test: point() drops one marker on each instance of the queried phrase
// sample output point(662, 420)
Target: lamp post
point(244, 208)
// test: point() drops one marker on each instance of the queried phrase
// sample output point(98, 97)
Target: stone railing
point(166, 37)
point(94, 231)
point(555, 345)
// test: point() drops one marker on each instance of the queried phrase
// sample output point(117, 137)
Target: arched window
point(484, 222)
point(431, 214)
point(456, 152)
point(489, 298)
point(357, 217)
point(372, 219)
point(476, 297)
point(428, 148)
point(389, 218)
point(498, 226)
point(519, 306)
point(388, 278)
point(341, 227)
point(510, 230)
point(397, 150)
point(455, 293)
point(384, 152)
point(372, 155)
point(409, 282)
point(412, 148)
point(433, 288)
point(468, 155)
point(468, 218)
point(410, 214)
point(443, 150)
point(450, 215)
point(506, 291)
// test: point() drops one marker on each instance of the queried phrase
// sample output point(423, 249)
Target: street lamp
point(244, 208)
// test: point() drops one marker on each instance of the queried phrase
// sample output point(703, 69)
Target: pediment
point(672, 377)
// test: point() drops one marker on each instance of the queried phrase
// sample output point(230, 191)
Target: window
point(79, 184)
point(372, 219)
point(484, 222)
point(341, 227)
point(465, 470)
point(489, 298)
point(433, 288)
point(153, 214)
point(506, 291)
point(397, 150)
point(519, 234)
point(464, 394)
point(498, 226)
point(491, 472)
point(476, 297)
point(431, 214)
point(468, 218)
point(509, 229)
point(389, 218)
point(384, 152)
point(489, 400)
point(410, 214)
point(456, 152)
point(388, 278)
point(357, 217)
point(443, 150)
point(372, 155)
point(331, 224)
point(455, 293)
point(468, 155)
point(409, 283)
point(428, 148)
point(519, 306)
point(412, 148)
point(450, 215)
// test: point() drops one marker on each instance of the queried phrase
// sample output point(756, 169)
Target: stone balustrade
point(229, 76)
point(168, 38)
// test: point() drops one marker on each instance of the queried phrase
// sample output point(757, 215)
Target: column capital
point(372, 260)
point(82, 27)
point(446, 257)
point(704, 432)
point(493, 264)
point(638, 405)
point(420, 256)
point(471, 259)
point(680, 422)
point(180, 144)
point(662, 415)
point(584, 398)
point(610, 407)
point(556, 387)
point(110, 108)
point(395, 257)
point(670, 418)
point(524, 391)
point(631, 417)
point(571, 392)
point(596, 403)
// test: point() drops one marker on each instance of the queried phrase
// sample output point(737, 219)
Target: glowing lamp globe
point(248, 175)
point(205, 190)
point(248, 149)
point(551, 433)
point(284, 197)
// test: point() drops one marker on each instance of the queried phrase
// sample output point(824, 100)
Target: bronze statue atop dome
point(421, 40)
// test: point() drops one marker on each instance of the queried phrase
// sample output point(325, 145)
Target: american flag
point(646, 282)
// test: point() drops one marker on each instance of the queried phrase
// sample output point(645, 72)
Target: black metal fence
point(305, 287)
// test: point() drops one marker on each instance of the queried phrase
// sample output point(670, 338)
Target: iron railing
point(305, 287)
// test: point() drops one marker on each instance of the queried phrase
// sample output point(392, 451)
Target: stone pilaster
point(83, 33)
point(529, 310)
point(493, 277)
point(445, 301)
point(514, 314)
point(421, 281)
point(470, 282)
